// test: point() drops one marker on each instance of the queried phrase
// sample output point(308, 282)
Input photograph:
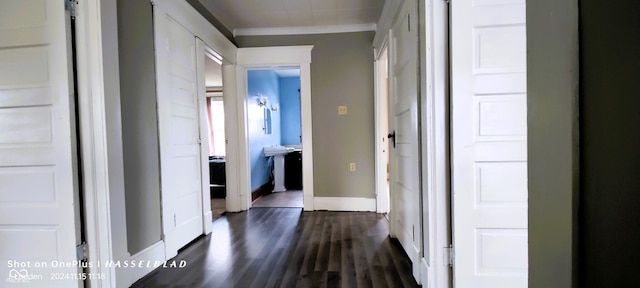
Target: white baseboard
point(152, 254)
point(208, 225)
point(425, 279)
point(344, 204)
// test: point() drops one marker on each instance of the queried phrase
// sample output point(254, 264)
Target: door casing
point(273, 57)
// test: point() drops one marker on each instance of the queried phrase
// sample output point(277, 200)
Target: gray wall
point(583, 231)
point(139, 123)
point(610, 143)
point(341, 74)
point(552, 78)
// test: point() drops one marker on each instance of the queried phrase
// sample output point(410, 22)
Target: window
point(215, 111)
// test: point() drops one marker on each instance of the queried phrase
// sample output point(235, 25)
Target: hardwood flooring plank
point(348, 272)
point(333, 279)
point(335, 250)
point(322, 261)
point(401, 262)
point(285, 247)
point(273, 254)
point(297, 257)
point(363, 278)
point(319, 279)
point(311, 254)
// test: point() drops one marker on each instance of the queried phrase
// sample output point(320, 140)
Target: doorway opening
point(216, 135)
point(275, 137)
point(284, 57)
point(382, 127)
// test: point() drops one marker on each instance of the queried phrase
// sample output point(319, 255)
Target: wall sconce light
point(262, 101)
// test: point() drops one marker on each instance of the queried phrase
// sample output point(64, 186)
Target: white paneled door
point(38, 176)
point(178, 121)
point(489, 122)
point(404, 141)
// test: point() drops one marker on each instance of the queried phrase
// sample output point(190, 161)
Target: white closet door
point(178, 120)
point(489, 122)
point(38, 176)
point(404, 156)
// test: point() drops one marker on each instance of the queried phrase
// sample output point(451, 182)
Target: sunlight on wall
point(216, 112)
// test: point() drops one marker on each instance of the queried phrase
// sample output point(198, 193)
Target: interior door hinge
point(409, 22)
point(199, 141)
point(71, 6)
point(81, 251)
point(450, 255)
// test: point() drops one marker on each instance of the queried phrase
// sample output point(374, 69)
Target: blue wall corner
point(290, 111)
point(262, 83)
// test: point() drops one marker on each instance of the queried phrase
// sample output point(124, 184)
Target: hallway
point(284, 247)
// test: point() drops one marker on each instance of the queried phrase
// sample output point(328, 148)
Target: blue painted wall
point(290, 111)
point(262, 83)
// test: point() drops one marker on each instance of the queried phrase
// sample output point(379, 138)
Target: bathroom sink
point(278, 153)
point(277, 150)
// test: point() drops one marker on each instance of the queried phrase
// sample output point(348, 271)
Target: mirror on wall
point(267, 121)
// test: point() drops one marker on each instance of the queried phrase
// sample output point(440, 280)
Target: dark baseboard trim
point(265, 189)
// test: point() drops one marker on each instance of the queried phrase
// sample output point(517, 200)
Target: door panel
point(404, 158)
point(38, 177)
point(489, 121)
point(178, 120)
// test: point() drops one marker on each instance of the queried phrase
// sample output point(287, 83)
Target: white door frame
point(203, 51)
point(433, 17)
point(434, 113)
point(381, 75)
point(272, 57)
point(94, 76)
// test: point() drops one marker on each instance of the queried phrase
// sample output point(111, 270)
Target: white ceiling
point(251, 14)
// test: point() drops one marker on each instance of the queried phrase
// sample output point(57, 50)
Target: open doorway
point(382, 128)
point(272, 58)
point(275, 137)
point(215, 135)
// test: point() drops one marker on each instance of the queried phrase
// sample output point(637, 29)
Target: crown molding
point(304, 30)
point(387, 17)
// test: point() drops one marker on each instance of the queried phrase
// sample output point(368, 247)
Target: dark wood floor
point(284, 247)
point(286, 199)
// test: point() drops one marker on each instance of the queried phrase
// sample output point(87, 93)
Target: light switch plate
point(352, 167)
point(342, 110)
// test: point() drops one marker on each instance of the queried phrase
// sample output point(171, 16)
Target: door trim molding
point(273, 57)
point(434, 111)
point(202, 52)
point(92, 76)
point(387, 18)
